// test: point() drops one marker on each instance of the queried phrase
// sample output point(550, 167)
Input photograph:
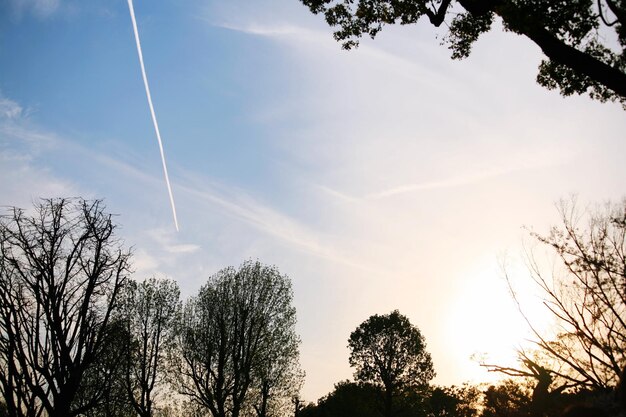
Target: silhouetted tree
point(61, 271)
point(230, 332)
point(571, 33)
point(586, 294)
point(509, 398)
point(277, 378)
point(112, 365)
point(454, 401)
point(348, 399)
point(151, 310)
point(390, 352)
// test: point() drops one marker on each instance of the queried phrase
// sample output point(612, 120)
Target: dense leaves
point(237, 335)
point(576, 36)
point(151, 310)
point(388, 351)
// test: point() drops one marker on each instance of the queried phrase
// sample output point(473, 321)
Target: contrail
point(154, 120)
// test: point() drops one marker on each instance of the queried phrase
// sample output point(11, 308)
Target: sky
point(388, 177)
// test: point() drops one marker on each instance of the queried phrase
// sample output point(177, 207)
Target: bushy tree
point(348, 399)
point(509, 398)
point(454, 401)
point(388, 351)
point(231, 332)
point(575, 35)
point(61, 273)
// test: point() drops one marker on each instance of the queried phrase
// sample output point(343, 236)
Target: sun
point(484, 321)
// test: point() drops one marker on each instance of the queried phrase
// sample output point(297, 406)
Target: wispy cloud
point(239, 205)
point(10, 109)
point(445, 183)
point(202, 193)
point(40, 8)
point(169, 244)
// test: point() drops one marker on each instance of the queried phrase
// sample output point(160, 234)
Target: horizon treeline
point(80, 337)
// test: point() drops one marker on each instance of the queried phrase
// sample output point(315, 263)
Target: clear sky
point(388, 177)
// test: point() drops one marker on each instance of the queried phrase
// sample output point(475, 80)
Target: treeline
point(80, 337)
point(579, 371)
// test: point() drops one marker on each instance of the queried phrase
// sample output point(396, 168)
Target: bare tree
point(225, 334)
point(586, 294)
point(151, 310)
point(61, 271)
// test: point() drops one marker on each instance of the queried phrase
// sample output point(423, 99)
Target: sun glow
point(485, 324)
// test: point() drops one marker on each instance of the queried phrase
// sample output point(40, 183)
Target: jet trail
point(154, 119)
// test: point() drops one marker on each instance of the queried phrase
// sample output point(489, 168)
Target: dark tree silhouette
point(61, 271)
point(586, 294)
point(230, 332)
point(390, 352)
point(571, 33)
point(458, 401)
point(507, 399)
point(151, 310)
point(348, 399)
point(277, 377)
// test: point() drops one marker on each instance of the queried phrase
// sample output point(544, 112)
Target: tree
point(61, 272)
point(454, 401)
point(231, 331)
point(151, 310)
point(585, 294)
point(390, 352)
point(278, 377)
point(571, 33)
point(348, 399)
point(507, 399)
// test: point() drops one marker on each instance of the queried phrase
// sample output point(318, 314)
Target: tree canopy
point(583, 41)
point(238, 335)
point(388, 351)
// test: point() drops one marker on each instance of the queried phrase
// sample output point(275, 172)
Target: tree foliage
point(454, 401)
point(388, 351)
point(61, 271)
point(232, 338)
point(348, 399)
point(576, 36)
point(151, 310)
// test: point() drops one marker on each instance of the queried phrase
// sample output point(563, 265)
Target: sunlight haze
point(387, 177)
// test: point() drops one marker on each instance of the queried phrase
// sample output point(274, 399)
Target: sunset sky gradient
point(389, 177)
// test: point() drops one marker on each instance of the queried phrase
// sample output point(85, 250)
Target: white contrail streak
point(154, 119)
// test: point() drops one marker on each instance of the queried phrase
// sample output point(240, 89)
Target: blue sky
point(382, 178)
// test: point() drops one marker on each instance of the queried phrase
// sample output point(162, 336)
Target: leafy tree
point(278, 377)
point(61, 272)
point(571, 33)
point(507, 399)
point(390, 352)
point(230, 332)
point(151, 310)
point(350, 399)
point(454, 401)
